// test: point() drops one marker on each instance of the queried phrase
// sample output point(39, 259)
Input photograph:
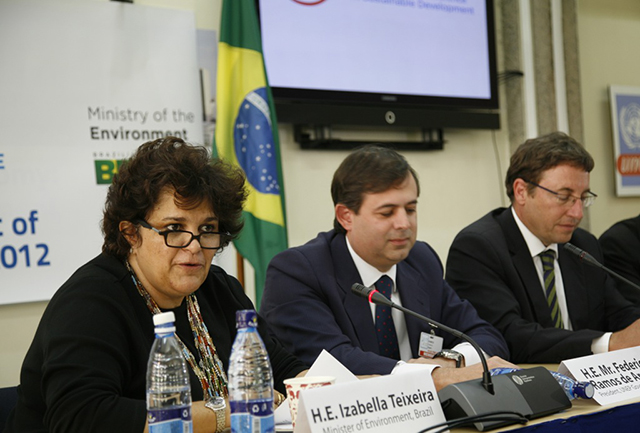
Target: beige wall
point(459, 184)
point(609, 31)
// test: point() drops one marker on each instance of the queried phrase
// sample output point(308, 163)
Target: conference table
point(583, 416)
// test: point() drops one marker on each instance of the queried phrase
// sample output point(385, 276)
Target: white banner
point(83, 84)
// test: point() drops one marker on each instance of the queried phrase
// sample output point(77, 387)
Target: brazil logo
point(106, 169)
point(253, 141)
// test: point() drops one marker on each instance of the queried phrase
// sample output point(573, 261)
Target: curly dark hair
point(536, 155)
point(368, 169)
point(190, 170)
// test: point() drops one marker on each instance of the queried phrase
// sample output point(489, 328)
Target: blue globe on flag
point(253, 142)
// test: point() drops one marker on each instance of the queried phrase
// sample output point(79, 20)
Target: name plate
point(404, 402)
point(614, 375)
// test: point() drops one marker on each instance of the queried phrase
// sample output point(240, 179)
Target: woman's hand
point(278, 399)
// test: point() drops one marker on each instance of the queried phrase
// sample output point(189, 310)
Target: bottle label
point(254, 416)
point(172, 420)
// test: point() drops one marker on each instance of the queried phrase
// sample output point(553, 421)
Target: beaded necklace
point(210, 370)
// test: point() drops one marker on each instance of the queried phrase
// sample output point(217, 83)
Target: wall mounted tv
point(415, 63)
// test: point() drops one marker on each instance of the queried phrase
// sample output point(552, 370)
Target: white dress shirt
point(370, 275)
point(535, 245)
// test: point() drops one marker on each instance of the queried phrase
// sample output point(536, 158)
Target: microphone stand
point(487, 383)
point(531, 392)
point(590, 260)
point(376, 297)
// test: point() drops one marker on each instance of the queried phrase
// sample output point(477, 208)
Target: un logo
point(630, 125)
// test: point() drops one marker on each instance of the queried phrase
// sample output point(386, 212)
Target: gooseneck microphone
point(378, 298)
point(531, 392)
point(589, 259)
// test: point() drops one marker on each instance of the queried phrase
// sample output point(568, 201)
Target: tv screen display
point(392, 53)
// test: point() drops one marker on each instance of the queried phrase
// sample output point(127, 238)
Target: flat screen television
point(423, 63)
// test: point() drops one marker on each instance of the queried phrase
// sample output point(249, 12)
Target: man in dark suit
point(621, 249)
point(511, 265)
point(308, 300)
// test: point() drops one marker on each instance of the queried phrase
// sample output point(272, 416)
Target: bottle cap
point(164, 318)
point(246, 319)
point(584, 390)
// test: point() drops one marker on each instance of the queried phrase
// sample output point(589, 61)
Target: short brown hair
point(368, 169)
point(172, 163)
point(537, 155)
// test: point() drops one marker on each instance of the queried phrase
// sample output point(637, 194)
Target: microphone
point(532, 392)
point(376, 297)
point(589, 259)
point(372, 295)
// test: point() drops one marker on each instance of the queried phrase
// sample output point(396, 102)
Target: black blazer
point(621, 249)
point(490, 265)
point(309, 305)
point(86, 367)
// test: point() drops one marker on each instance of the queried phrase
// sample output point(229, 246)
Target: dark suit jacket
point(309, 305)
point(621, 249)
point(490, 265)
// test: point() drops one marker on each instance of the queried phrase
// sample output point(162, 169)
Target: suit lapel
point(408, 281)
point(525, 268)
point(573, 282)
point(357, 309)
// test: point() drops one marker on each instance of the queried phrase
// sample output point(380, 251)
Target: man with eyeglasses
point(511, 265)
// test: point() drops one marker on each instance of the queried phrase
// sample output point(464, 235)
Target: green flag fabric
point(247, 135)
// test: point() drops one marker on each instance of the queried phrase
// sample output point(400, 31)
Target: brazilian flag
point(247, 135)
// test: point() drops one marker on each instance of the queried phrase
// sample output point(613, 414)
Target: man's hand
point(446, 376)
point(628, 337)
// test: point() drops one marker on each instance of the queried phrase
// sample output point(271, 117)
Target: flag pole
point(240, 269)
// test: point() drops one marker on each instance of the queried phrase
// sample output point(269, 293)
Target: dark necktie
point(547, 258)
point(385, 329)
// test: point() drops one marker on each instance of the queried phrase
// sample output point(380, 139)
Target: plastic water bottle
point(250, 379)
point(572, 388)
point(168, 390)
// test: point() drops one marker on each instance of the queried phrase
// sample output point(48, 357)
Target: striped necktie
point(548, 258)
point(385, 329)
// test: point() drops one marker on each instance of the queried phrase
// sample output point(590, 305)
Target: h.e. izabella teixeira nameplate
point(404, 402)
